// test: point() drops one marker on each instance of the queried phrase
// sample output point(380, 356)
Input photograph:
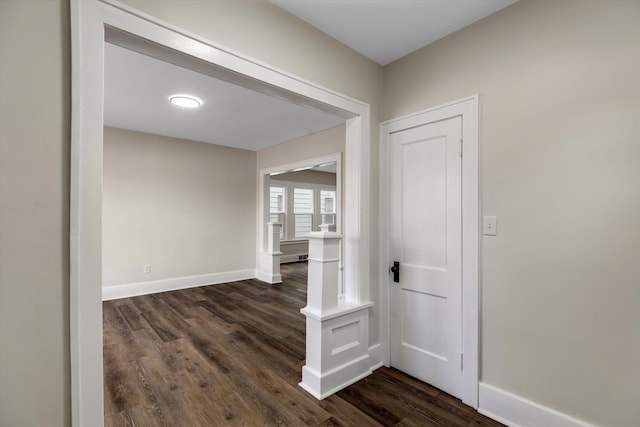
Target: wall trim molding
point(173, 284)
point(516, 411)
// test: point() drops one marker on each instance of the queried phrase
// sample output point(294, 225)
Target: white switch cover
point(146, 269)
point(490, 226)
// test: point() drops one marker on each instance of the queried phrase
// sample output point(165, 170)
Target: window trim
point(288, 223)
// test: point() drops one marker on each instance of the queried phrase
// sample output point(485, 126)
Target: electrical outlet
point(146, 269)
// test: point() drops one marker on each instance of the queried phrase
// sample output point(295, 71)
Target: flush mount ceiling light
point(186, 101)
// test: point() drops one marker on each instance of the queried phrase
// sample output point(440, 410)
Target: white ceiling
point(386, 30)
point(138, 87)
point(137, 91)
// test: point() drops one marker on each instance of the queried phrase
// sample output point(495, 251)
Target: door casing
point(466, 108)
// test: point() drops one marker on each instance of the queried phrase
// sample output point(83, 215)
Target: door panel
point(426, 237)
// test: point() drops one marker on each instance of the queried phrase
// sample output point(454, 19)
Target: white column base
point(272, 279)
point(323, 386)
point(337, 349)
point(269, 268)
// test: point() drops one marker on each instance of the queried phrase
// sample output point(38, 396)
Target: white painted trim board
point(173, 284)
point(516, 411)
point(375, 356)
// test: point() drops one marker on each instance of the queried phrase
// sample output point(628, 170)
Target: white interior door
point(425, 236)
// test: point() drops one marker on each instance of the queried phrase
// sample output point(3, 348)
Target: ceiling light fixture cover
point(186, 101)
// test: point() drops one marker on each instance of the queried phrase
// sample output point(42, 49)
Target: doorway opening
point(297, 219)
point(92, 21)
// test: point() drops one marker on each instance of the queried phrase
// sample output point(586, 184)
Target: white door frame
point(467, 108)
point(90, 20)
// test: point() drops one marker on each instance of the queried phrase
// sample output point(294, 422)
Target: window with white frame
point(302, 211)
point(301, 207)
point(277, 207)
point(328, 207)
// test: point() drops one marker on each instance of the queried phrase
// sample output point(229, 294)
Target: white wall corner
point(173, 284)
point(516, 411)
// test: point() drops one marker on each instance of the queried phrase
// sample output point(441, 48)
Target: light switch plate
point(490, 226)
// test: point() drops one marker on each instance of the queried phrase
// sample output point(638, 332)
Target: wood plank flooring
point(232, 354)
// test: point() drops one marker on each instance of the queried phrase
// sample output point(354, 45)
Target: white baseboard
point(154, 286)
point(516, 411)
point(321, 386)
point(375, 356)
point(269, 278)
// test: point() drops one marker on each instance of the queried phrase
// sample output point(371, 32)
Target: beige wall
point(319, 144)
point(560, 126)
point(185, 208)
point(35, 101)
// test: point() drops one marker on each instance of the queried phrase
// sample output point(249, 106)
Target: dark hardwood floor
point(232, 354)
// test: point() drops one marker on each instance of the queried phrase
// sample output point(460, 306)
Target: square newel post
point(337, 332)
point(270, 259)
point(322, 282)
